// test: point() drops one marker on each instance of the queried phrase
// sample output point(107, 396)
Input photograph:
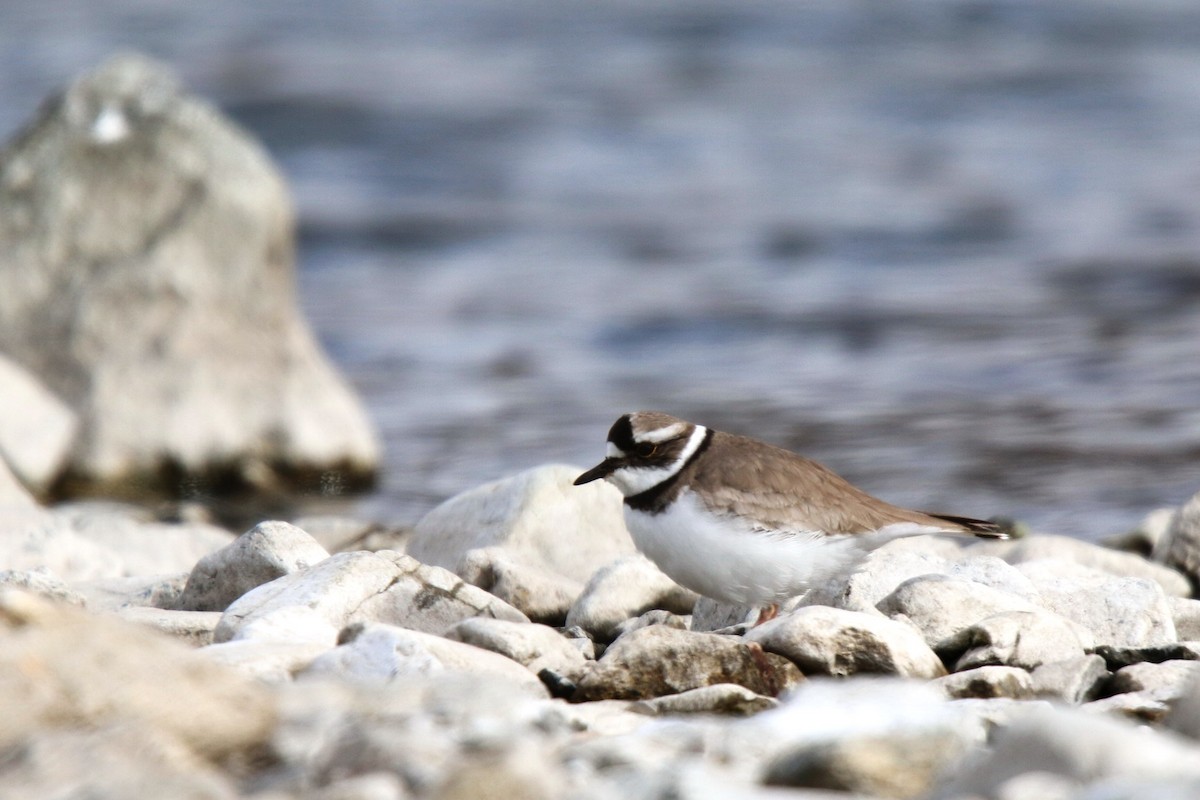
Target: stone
point(1167, 681)
point(263, 659)
point(342, 534)
point(537, 516)
point(878, 576)
point(371, 786)
point(1118, 657)
point(990, 681)
point(267, 551)
point(1179, 546)
point(193, 628)
point(40, 582)
point(657, 661)
point(624, 589)
point(996, 573)
point(146, 242)
point(1184, 717)
point(1145, 536)
point(114, 594)
point(62, 666)
point(1025, 639)
point(315, 603)
point(540, 594)
point(1076, 745)
point(1185, 613)
point(719, 698)
point(1140, 707)
point(16, 503)
point(656, 616)
point(942, 605)
point(1113, 562)
point(533, 646)
point(37, 430)
point(833, 641)
point(1073, 680)
point(713, 615)
point(1121, 612)
point(378, 652)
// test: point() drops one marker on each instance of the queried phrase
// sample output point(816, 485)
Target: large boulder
point(538, 517)
point(37, 429)
point(147, 277)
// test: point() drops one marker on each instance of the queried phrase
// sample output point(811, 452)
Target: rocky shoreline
point(145, 658)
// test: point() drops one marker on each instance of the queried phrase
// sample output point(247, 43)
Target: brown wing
point(784, 491)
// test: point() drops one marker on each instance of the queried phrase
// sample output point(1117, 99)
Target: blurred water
point(951, 248)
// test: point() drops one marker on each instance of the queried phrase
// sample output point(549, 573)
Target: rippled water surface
point(950, 248)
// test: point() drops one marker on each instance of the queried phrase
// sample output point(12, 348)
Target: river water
point(951, 248)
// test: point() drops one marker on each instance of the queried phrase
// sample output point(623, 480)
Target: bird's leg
point(767, 612)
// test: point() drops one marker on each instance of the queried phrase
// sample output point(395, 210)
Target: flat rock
point(1113, 562)
point(659, 660)
point(1118, 657)
point(378, 652)
point(991, 681)
point(540, 594)
point(114, 594)
point(1121, 612)
point(1168, 680)
point(1139, 707)
point(315, 603)
point(538, 516)
point(194, 628)
point(193, 225)
point(60, 665)
point(265, 660)
point(533, 646)
point(1179, 546)
point(1023, 639)
point(832, 641)
point(942, 605)
point(267, 551)
point(40, 582)
point(626, 588)
point(721, 698)
point(1072, 680)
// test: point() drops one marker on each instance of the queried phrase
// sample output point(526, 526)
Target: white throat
point(635, 480)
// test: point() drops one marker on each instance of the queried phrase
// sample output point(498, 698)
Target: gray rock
point(996, 573)
point(1145, 536)
point(988, 682)
point(341, 534)
point(267, 551)
point(37, 430)
point(114, 594)
point(1118, 657)
point(1122, 612)
point(1184, 717)
point(64, 667)
point(1076, 745)
point(1113, 562)
point(879, 575)
point(1166, 681)
point(40, 582)
point(1185, 613)
point(1179, 547)
point(537, 516)
point(315, 603)
point(540, 594)
point(655, 617)
point(147, 240)
point(657, 661)
point(1072, 680)
point(942, 605)
point(626, 588)
point(1140, 707)
point(721, 698)
point(193, 628)
point(1025, 639)
point(713, 615)
point(535, 647)
point(378, 652)
point(833, 641)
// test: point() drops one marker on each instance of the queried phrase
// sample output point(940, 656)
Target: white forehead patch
point(662, 434)
point(612, 451)
point(635, 480)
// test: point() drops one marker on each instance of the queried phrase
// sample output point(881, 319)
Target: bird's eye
point(647, 449)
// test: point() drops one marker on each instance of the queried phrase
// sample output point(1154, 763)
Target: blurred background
point(951, 248)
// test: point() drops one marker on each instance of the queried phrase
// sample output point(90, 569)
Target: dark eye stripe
point(621, 434)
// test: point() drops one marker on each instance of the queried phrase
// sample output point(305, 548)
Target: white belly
point(722, 559)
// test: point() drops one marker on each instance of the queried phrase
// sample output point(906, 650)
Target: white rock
point(990, 681)
point(535, 647)
point(1121, 612)
point(1114, 562)
point(315, 603)
point(1074, 680)
point(537, 516)
point(540, 594)
point(381, 652)
point(1179, 547)
point(1185, 613)
point(720, 698)
point(942, 605)
point(877, 577)
point(187, 349)
point(833, 641)
point(266, 660)
point(37, 429)
point(114, 594)
point(624, 589)
point(1023, 639)
point(190, 627)
point(40, 582)
point(1166, 681)
point(996, 573)
point(261, 554)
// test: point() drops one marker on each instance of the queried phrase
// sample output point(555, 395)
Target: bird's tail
point(982, 528)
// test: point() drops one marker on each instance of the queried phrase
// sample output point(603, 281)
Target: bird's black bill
point(601, 470)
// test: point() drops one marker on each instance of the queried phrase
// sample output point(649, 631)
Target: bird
point(745, 522)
